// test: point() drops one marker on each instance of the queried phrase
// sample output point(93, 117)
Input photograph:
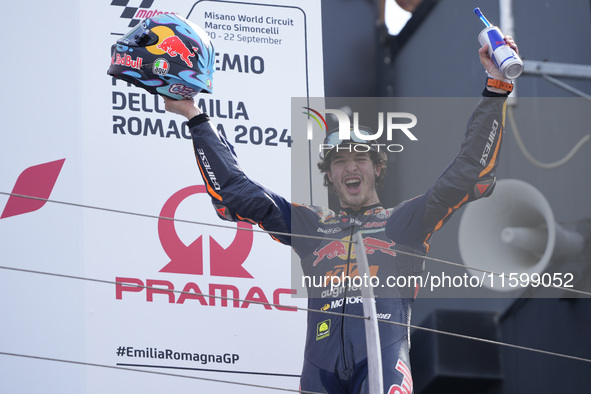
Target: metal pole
point(372, 334)
point(507, 26)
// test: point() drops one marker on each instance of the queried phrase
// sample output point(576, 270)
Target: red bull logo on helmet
point(127, 61)
point(340, 248)
point(175, 47)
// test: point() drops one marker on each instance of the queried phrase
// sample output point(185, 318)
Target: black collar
point(355, 212)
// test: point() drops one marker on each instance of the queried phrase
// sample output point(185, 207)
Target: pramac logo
point(188, 259)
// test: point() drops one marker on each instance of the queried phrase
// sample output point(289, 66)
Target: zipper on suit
point(344, 310)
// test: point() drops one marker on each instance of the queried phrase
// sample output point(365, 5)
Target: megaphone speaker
point(514, 231)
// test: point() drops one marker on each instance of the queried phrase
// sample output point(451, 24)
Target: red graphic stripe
point(321, 117)
point(36, 181)
point(401, 366)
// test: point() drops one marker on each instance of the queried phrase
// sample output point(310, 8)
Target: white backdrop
point(122, 152)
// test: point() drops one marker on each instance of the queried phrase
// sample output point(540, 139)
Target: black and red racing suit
point(335, 354)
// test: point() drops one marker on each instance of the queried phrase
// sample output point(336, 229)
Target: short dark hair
point(379, 159)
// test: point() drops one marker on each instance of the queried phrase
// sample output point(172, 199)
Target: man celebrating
point(335, 358)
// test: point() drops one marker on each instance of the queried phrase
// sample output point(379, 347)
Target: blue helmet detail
point(167, 55)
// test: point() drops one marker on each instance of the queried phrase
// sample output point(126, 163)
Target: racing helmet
point(167, 55)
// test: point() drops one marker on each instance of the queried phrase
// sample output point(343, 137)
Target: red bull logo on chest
point(340, 248)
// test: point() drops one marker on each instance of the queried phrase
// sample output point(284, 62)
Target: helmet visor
point(139, 36)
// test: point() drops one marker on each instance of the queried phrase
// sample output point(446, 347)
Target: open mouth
point(353, 184)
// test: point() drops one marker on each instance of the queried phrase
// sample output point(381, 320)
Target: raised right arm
point(234, 195)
